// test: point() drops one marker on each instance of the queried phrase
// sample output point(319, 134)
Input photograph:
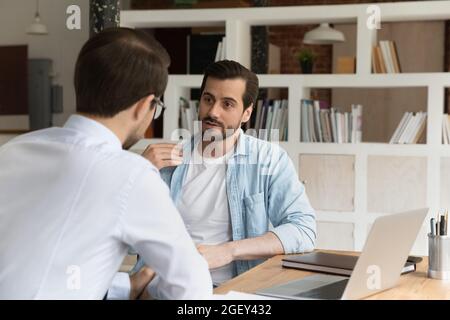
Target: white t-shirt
point(204, 206)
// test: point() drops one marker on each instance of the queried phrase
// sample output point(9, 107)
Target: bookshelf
point(380, 177)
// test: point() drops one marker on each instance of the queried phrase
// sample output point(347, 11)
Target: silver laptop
point(378, 268)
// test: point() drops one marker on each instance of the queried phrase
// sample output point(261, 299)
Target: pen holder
point(438, 257)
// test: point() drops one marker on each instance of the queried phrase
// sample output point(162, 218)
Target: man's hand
point(217, 255)
point(139, 281)
point(164, 155)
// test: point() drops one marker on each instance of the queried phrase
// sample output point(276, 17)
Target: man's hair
point(227, 69)
point(116, 68)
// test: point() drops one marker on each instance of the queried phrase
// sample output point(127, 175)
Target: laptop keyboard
point(332, 291)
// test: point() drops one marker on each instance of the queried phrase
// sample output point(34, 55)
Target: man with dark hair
point(72, 201)
point(239, 196)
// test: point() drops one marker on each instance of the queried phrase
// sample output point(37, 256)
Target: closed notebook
point(331, 263)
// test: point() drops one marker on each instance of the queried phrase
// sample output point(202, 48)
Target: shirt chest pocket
point(256, 219)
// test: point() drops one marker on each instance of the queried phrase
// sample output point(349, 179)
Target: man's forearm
point(263, 246)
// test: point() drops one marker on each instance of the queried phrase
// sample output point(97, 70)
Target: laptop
point(378, 268)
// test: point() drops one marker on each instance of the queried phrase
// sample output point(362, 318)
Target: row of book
point(321, 123)
point(446, 128)
point(269, 120)
point(411, 128)
point(385, 58)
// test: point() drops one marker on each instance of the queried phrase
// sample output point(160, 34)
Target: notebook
point(339, 264)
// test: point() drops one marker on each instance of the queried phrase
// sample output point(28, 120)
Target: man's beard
point(224, 132)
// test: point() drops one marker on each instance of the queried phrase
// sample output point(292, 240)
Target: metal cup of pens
point(439, 248)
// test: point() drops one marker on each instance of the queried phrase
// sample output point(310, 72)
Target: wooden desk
point(414, 285)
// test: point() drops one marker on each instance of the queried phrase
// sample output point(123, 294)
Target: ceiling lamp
point(37, 27)
point(323, 34)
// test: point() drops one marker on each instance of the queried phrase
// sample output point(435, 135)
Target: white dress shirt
point(71, 204)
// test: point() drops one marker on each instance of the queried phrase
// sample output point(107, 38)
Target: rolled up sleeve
point(290, 212)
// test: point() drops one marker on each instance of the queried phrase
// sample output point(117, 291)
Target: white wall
point(61, 45)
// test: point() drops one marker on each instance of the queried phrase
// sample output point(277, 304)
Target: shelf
point(445, 150)
point(405, 11)
point(295, 149)
point(333, 80)
point(336, 148)
point(355, 224)
point(357, 148)
point(409, 39)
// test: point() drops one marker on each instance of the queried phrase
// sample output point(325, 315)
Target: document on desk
point(236, 295)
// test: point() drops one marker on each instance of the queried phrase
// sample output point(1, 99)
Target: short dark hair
point(116, 68)
point(228, 69)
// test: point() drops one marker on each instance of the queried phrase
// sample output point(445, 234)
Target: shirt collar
point(242, 144)
point(93, 129)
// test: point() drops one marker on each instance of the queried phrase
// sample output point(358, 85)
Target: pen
point(446, 221)
point(433, 226)
point(438, 225)
point(442, 226)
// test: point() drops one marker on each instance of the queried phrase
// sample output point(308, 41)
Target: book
point(411, 128)
point(386, 54)
point(269, 120)
point(400, 128)
point(224, 48)
point(346, 64)
point(333, 125)
point(419, 133)
point(356, 123)
point(404, 138)
point(304, 121)
point(322, 123)
point(375, 61)
point(284, 121)
point(312, 133)
point(218, 52)
point(317, 126)
point(339, 264)
point(259, 105)
point(446, 129)
point(381, 62)
point(394, 55)
point(385, 58)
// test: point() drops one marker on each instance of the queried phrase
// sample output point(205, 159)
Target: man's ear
point(247, 114)
point(143, 107)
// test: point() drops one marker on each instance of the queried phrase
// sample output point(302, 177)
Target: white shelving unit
point(237, 23)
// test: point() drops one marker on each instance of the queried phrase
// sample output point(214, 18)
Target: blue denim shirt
point(264, 194)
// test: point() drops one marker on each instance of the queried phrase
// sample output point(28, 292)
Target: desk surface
point(414, 285)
